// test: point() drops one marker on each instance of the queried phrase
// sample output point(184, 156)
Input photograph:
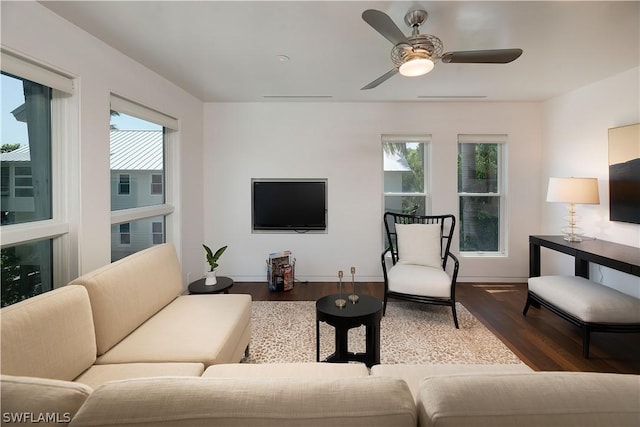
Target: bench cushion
point(530, 399)
point(246, 402)
point(50, 335)
point(124, 294)
point(207, 329)
point(588, 301)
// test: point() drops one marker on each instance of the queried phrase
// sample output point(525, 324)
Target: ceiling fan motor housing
point(422, 46)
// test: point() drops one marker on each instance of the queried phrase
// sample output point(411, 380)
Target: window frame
point(424, 139)
point(170, 160)
point(501, 140)
point(64, 175)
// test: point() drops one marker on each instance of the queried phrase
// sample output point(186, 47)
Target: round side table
point(367, 311)
point(222, 286)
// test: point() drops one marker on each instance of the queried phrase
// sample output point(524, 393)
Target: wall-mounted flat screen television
point(291, 205)
point(624, 174)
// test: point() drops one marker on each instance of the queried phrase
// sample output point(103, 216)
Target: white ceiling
point(228, 50)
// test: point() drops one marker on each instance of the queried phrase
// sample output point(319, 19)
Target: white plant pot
point(210, 278)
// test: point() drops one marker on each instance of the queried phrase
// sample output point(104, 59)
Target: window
point(124, 185)
point(157, 232)
point(481, 193)
point(5, 180)
point(23, 182)
point(125, 234)
point(138, 147)
point(405, 174)
point(156, 184)
point(35, 117)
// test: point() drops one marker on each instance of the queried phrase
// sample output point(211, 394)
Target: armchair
point(419, 248)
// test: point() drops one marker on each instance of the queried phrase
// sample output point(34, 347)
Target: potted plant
point(212, 259)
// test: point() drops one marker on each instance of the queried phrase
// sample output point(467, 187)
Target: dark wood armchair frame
point(447, 226)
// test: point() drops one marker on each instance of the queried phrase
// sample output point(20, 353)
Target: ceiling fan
point(416, 54)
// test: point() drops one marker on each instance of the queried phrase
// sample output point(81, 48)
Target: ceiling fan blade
point(381, 22)
point(495, 56)
point(381, 79)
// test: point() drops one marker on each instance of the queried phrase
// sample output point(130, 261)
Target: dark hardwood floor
point(542, 340)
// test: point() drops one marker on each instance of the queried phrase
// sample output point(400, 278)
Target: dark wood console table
point(613, 255)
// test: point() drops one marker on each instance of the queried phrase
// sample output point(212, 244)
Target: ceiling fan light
point(416, 67)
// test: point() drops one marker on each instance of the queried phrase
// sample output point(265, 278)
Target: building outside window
point(138, 147)
point(33, 226)
point(481, 193)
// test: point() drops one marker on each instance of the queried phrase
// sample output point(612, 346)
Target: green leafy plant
point(212, 258)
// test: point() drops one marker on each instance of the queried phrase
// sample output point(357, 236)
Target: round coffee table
point(223, 284)
point(367, 311)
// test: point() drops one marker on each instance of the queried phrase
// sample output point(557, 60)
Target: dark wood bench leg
point(526, 306)
point(586, 338)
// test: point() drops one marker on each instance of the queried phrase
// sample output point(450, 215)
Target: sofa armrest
point(28, 400)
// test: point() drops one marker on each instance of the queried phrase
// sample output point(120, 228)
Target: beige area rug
point(285, 331)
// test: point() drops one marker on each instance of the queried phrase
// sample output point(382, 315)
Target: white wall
point(576, 144)
point(34, 32)
point(342, 142)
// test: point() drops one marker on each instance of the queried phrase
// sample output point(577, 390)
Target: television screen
point(289, 205)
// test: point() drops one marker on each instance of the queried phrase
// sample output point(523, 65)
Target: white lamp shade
point(416, 67)
point(573, 190)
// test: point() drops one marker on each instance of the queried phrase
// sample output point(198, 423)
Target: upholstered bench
point(589, 305)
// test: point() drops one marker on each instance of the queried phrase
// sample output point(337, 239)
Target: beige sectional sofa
point(122, 346)
point(127, 319)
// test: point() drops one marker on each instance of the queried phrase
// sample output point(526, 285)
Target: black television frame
point(295, 227)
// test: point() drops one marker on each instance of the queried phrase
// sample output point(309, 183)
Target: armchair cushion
point(419, 244)
point(419, 280)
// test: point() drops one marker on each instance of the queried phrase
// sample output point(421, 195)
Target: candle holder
point(340, 302)
point(353, 297)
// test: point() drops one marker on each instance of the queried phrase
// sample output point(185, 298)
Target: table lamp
point(573, 191)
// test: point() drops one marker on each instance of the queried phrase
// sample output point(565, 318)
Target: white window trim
point(26, 69)
point(140, 111)
point(501, 140)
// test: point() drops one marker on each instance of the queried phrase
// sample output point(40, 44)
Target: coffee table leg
point(317, 340)
point(373, 344)
point(342, 346)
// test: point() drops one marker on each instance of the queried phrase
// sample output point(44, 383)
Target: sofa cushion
point(126, 293)
point(34, 398)
point(287, 370)
point(50, 335)
point(281, 402)
point(207, 329)
point(530, 399)
point(100, 374)
point(414, 374)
